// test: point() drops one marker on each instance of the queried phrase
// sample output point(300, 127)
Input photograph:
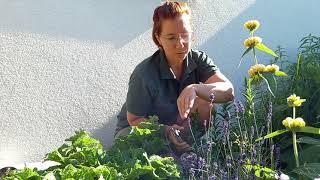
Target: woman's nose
point(180, 42)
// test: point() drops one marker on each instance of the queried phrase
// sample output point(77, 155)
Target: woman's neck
point(177, 70)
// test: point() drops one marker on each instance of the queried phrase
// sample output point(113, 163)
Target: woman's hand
point(172, 133)
point(186, 100)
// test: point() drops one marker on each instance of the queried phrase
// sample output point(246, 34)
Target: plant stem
point(254, 55)
point(293, 112)
point(295, 149)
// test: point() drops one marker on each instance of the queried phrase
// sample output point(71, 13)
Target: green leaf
point(280, 73)
point(26, 173)
point(309, 140)
point(247, 51)
point(261, 172)
point(265, 49)
point(273, 134)
point(310, 170)
point(309, 129)
point(49, 176)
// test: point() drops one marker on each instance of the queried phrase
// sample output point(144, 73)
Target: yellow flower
point(286, 121)
point(300, 122)
point(272, 68)
point(252, 41)
point(293, 123)
point(252, 25)
point(294, 100)
point(255, 69)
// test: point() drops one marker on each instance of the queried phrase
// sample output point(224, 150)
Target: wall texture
point(65, 65)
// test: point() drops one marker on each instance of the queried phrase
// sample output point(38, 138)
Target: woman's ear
point(159, 40)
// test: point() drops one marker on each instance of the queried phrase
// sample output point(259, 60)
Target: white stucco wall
point(64, 65)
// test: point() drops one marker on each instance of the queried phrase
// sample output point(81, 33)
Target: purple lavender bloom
point(224, 175)
point(236, 107)
point(226, 125)
point(253, 176)
point(228, 161)
point(269, 114)
point(242, 158)
point(277, 156)
point(211, 97)
point(192, 163)
point(192, 172)
point(215, 165)
point(227, 116)
point(213, 177)
point(235, 176)
point(240, 106)
point(201, 163)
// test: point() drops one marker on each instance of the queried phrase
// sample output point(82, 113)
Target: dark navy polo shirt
point(153, 90)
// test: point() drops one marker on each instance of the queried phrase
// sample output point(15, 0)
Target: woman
point(175, 80)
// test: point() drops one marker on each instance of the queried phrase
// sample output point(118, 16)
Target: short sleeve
point(139, 100)
point(206, 66)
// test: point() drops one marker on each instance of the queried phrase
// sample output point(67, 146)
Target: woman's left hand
point(186, 100)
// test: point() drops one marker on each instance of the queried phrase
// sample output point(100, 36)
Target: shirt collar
point(165, 73)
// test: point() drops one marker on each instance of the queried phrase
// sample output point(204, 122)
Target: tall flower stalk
point(294, 101)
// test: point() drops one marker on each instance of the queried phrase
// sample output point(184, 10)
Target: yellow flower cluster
point(252, 41)
point(294, 100)
point(260, 68)
point(293, 123)
point(255, 69)
point(252, 25)
point(272, 68)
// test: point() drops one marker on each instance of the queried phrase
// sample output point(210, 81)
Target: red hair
point(168, 10)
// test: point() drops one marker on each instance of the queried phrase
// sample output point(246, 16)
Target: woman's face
point(175, 38)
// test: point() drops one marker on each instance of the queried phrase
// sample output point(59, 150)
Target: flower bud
point(252, 25)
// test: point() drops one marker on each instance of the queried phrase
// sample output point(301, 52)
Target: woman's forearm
point(223, 91)
point(134, 120)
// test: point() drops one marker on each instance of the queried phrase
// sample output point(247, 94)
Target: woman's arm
point(216, 84)
point(134, 120)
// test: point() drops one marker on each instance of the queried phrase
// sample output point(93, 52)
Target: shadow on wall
point(113, 21)
point(280, 25)
point(105, 133)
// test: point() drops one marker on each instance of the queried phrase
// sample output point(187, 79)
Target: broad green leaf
point(280, 73)
point(273, 134)
point(49, 176)
point(311, 170)
point(309, 129)
point(261, 172)
point(265, 49)
point(309, 140)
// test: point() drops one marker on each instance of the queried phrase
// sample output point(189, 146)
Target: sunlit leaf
point(265, 49)
point(273, 134)
point(280, 73)
point(309, 129)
